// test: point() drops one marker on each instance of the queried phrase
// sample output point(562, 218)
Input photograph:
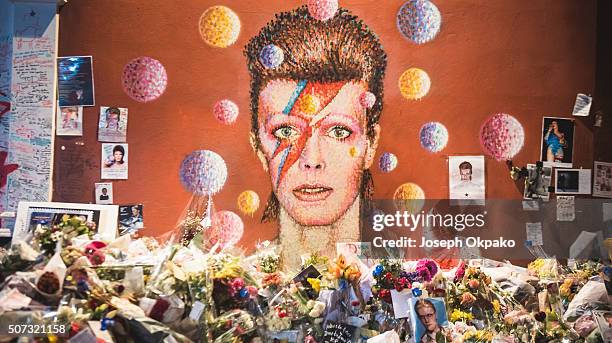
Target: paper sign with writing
point(338, 333)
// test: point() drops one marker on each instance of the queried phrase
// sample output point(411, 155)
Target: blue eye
point(339, 132)
point(286, 132)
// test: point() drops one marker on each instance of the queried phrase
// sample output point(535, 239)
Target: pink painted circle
point(144, 79)
point(227, 228)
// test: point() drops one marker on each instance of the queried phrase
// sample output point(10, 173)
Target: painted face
point(314, 145)
point(118, 156)
point(427, 315)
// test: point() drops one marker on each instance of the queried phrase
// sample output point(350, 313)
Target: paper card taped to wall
point(582, 107)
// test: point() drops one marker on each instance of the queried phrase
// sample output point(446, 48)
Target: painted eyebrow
point(282, 118)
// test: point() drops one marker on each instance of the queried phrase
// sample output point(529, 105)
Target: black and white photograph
point(537, 182)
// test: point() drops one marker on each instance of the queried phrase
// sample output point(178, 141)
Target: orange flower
point(467, 298)
point(473, 283)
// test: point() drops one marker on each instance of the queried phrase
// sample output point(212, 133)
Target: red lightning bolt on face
point(292, 150)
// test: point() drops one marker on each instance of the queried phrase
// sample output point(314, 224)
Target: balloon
point(203, 172)
point(417, 292)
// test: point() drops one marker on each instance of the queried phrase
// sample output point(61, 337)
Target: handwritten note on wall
point(30, 122)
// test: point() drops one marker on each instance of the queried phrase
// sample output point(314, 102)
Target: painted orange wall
point(528, 58)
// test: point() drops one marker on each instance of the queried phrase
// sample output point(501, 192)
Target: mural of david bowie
point(309, 129)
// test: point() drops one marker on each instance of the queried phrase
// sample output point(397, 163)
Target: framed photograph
point(466, 179)
point(69, 121)
point(602, 180)
point(104, 193)
point(429, 316)
point(538, 182)
point(114, 161)
point(557, 145)
point(573, 181)
point(75, 81)
point(112, 125)
point(29, 214)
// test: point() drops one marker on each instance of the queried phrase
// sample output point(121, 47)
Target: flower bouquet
point(69, 227)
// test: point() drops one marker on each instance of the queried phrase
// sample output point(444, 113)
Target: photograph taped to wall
point(69, 121)
point(602, 182)
point(75, 81)
point(573, 181)
point(582, 106)
point(557, 144)
point(105, 217)
point(114, 161)
point(104, 193)
point(537, 183)
point(130, 218)
point(466, 179)
point(112, 125)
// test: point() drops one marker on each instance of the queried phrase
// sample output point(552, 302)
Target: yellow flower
point(458, 315)
point(496, 306)
point(314, 283)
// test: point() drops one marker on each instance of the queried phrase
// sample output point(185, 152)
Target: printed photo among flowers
point(429, 318)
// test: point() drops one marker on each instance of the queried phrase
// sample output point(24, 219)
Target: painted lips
point(311, 193)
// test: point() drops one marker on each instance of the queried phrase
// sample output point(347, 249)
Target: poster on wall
point(69, 121)
point(130, 218)
point(538, 181)
point(75, 81)
point(104, 193)
point(466, 179)
point(557, 144)
point(602, 184)
point(112, 126)
point(573, 181)
point(114, 161)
